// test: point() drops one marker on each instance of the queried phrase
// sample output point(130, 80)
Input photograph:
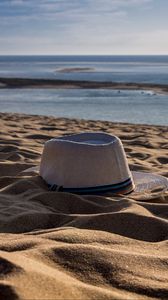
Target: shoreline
point(78, 120)
point(78, 84)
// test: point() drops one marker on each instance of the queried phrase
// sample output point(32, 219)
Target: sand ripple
point(61, 246)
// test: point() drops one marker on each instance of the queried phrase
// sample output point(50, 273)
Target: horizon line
point(40, 54)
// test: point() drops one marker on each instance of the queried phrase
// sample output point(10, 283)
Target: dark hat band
point(124, 187)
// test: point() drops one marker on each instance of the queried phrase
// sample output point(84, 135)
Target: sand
point(61, 246)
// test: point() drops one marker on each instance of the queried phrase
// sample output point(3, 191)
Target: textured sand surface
point(61, 246)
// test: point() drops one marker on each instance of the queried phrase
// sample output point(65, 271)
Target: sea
point(125, 106)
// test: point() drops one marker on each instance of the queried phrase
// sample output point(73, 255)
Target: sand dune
point(61, 246)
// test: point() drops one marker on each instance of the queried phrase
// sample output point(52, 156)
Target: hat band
point(124, 187)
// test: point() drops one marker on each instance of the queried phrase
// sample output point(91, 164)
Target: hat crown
point(84, 160)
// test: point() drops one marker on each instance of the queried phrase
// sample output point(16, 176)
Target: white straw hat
point(93, 163)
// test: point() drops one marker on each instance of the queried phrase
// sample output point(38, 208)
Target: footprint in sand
point(139, 155)
point(163, 160)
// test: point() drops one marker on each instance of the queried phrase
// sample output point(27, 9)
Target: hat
point(93, 163)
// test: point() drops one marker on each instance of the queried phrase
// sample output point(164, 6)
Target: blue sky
point(83, 27)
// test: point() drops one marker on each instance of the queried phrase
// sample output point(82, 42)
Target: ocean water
point(143, 107)
point(151, 69)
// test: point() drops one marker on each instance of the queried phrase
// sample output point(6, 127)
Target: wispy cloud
point(17, 2)
point(46, 7)
point(65, 12)
point(82, 26)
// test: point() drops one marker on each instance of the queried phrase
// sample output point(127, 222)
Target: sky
point(89, 27)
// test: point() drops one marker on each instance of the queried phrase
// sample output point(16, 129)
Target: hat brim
point(145, 183)
point(149, 182)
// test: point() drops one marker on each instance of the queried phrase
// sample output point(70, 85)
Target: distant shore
point(75, 70)
point(70, 84)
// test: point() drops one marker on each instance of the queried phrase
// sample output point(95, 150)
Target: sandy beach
point(57, 245)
